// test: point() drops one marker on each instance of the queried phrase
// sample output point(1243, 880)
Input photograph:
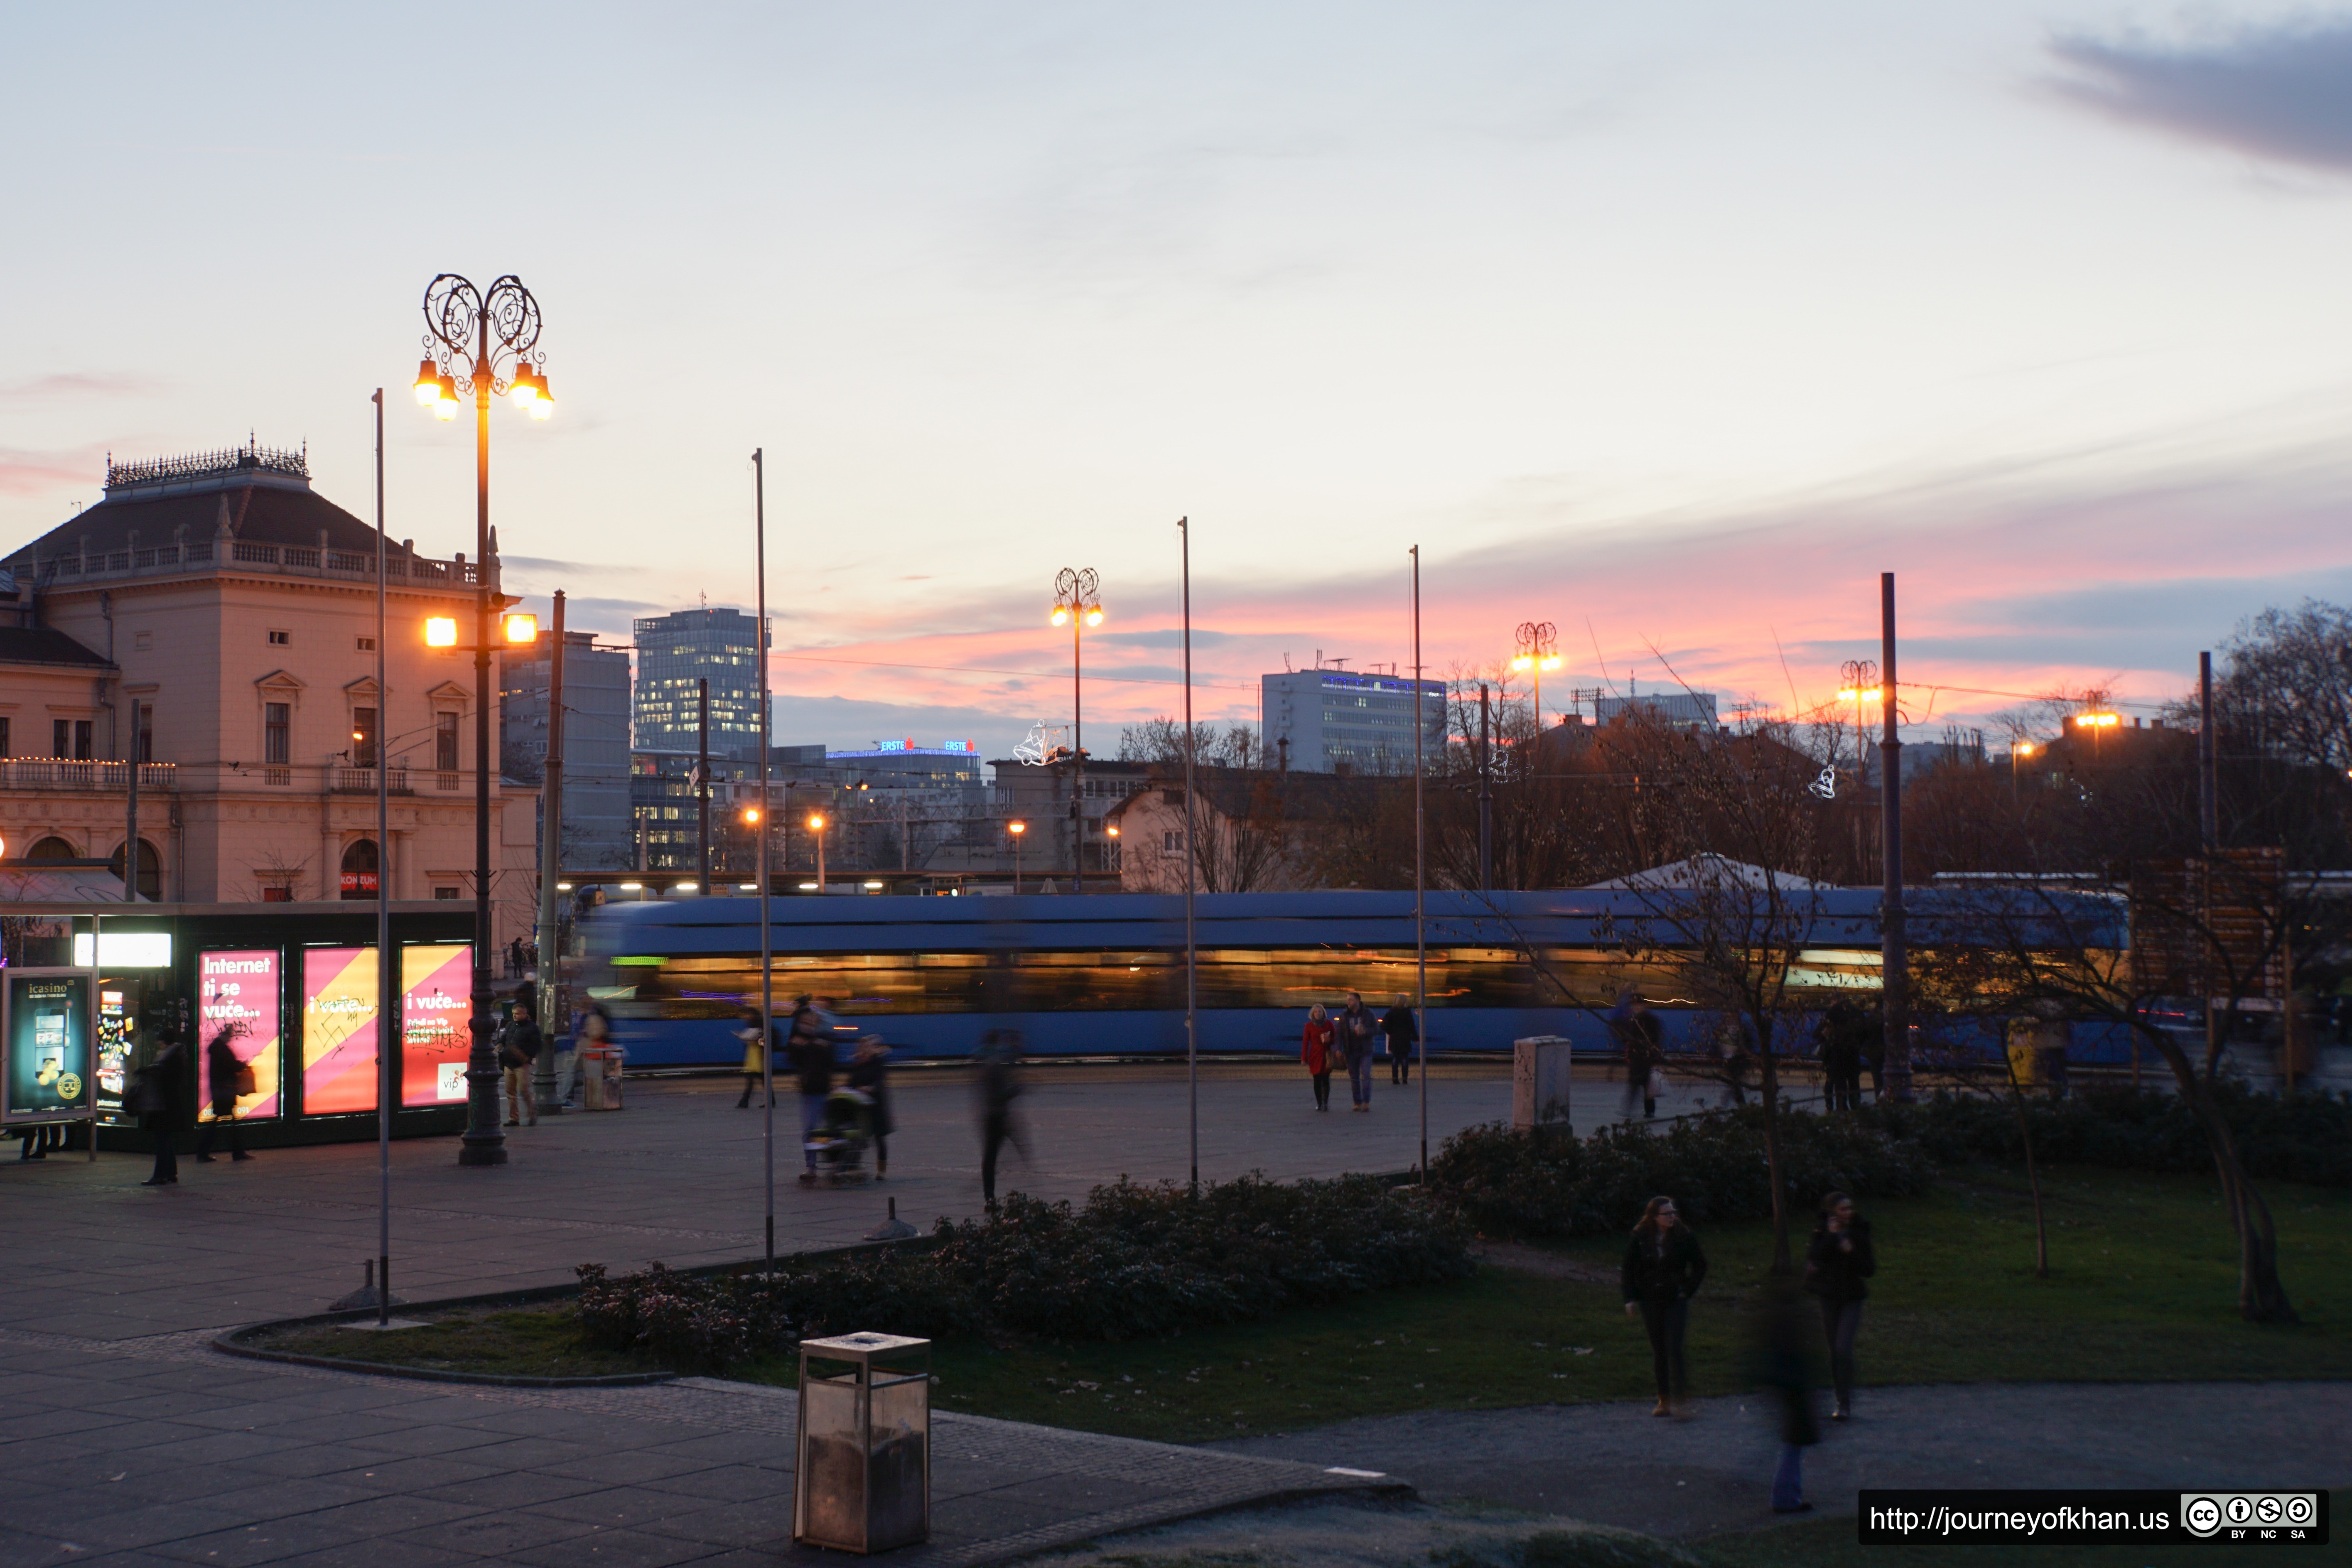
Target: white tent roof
point(1710, 871)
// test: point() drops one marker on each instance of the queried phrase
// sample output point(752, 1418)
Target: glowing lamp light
point(1016, 828)
point(1522, 662)
point(2098, 720)
point(1111, 830)
point(751, 814)
point(808, 887)
point(441, 631)
point(816, 822)
point(872, 887)
point(1061, 616)
point(428, 384)
point(688, 888)
point(542, 407)
point(1549, 663)
point(523, 390)
point(523, 627)
point(1861, 694)
point(1094, 617)
point(445, 403)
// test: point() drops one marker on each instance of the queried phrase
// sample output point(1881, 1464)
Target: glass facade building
point(674, 652)
point(1322, 720)
point(596, 822)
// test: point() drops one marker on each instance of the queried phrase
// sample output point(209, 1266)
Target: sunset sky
point(1671, 324)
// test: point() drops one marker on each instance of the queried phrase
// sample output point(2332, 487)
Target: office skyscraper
point(674, 652)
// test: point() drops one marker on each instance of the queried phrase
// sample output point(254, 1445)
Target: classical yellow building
point(217, 617)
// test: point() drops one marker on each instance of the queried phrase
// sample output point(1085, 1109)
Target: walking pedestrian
point(1000, 1086)
point(1643, 1039)
point(519, 1047)
point(869, 1071)
point(591, 1041)
point(755, 1058)
point(1356, 1026)
point(1837, 1261)
point(1838, 1037)
point(1731, 1043)
point(226, 1076)
point(1870, 1045)
point(1783, 1367)
point(1318, 1047)
point(167, 1102)
point(1397, 1024)
point(1662, 1270)
point(809, 1048)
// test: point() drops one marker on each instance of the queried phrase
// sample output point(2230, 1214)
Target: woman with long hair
point(1837, 1261)
point(1664, 1268)
point(1316, 1049)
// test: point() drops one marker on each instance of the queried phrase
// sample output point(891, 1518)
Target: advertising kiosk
point(48, 1025)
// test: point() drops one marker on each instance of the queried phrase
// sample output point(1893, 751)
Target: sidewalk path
point(135, 1453)
point(1617, 1464)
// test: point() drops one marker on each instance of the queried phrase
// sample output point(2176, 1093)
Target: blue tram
point(1104, 974)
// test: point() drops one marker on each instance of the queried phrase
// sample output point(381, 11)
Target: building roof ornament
point(237, 462)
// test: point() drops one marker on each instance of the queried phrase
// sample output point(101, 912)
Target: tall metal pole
point(2209, 828)
point(387, 1057)
point(1192, 963)
point(702, 786)
point(1420, 878)
point(767, 939)
point(1895, 975)
point(1486, 794)
point(1078, 758)
point(483, 1143)
point(551, 868)
point(131, 830)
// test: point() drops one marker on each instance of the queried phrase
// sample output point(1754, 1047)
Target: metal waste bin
point(1540, 1083)
point(863, 1477)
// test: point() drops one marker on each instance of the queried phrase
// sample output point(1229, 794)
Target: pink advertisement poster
point(338, 1030)
point(436, 983)
point(238, 987)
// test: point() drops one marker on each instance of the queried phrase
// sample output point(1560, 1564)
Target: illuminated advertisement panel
point(49, 1043)
point(117, 1012)
point(436, 985)
point(238, 988)
point(339, 1032)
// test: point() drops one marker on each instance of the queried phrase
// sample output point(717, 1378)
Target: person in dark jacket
point(1662, 1270)
point(223, 1068)
point(869, 1072)
point(1402, 1034)
point(1356, 1026)
point(519, 1048)
point(809, 1048)
point(1781, 1366)
point(1000, 1086)
point(167, 1103)
point(1837, 1261)
point(1839, 1035)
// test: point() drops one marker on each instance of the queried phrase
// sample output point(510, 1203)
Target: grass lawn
point(2143, 1286)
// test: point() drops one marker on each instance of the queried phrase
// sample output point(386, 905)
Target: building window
point(449, 893)
point(279, 639)
point(444, 746)
point(143, 720)
point(366, 644)
point(1171, 841)
point(52, 848)
point(359, 875)
point(364, 737)
point(5, 750)
point(142, 641)
point(151, 869)
point(70, 739)
point(276, 732)
point(277, 895)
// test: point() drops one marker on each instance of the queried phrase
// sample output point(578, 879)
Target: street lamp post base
point(491, 1152)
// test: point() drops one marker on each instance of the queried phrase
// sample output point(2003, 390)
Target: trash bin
point(863, 1479)
point(1540, 1083)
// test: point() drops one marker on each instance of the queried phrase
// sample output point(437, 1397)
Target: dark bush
point(1133, 1260)
point(2303, 1137)
point(1508, 1182)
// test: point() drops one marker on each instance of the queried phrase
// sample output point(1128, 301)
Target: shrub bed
point(1508, 1182)
point(2304, 1137)
point(1133, 1260)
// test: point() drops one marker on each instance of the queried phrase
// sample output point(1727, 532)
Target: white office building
point(1324, 720)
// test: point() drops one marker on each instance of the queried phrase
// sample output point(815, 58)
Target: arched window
point(56, 848)
point(360, 870)
point(151, 869)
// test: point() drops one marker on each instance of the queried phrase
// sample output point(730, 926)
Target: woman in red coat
point(1317, 1050)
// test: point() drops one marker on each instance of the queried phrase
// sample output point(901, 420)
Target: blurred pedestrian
point(1317, 1049)
point(1643, 1039)
point(869, 1072)
point(1870, 1035)
point(166, 1100)
point(519, 1048)
point(809, 1048)
point(1837, 1261)
point(1732, 1039)
point(1397, 1025)
point(755, 1058)
point(1000, 1086)
point(590, 1043)
point(1839, 1037)
point(1356, 1027)
point(1662, 1270)
point(226, 1076)
point(1781, 1366)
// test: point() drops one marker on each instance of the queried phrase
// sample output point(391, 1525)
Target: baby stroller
point(839, 1140)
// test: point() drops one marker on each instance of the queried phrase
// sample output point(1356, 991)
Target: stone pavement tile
point(19, 1388)
point(410, 1473)
point(19, 1549)
point(313, 1459)
point(731, 1524)
point(71, 1517)
point(729, 1483)
point(146, 1481)
point(618, 1507)
point(628, 1467)
point(742, 1447)
point(527, 1453)
point(282, 1497)
point(512, 1489)
point(368, 1554)
point(151, 1405)
point(255, 1416)
point(615, 1549)
point(535, 1421)
point(220, 1448)
point(986, 1516)
point(350, 1426)
point(127, 1433)
point(389, 1515)
point(263, 1542)
point(139, 1558)
point(419, 1440)
point(499, 1534)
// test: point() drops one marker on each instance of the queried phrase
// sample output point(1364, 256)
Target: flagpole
point(1191, 969)
point(767, 968)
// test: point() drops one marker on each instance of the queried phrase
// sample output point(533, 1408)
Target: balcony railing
point(362, 781)
point(293, 560)
point(95, 777)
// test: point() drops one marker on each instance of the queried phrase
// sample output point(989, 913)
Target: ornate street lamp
point(1858, 684)
point(1537, 654)
point(1077, 605)
point(485, 342)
